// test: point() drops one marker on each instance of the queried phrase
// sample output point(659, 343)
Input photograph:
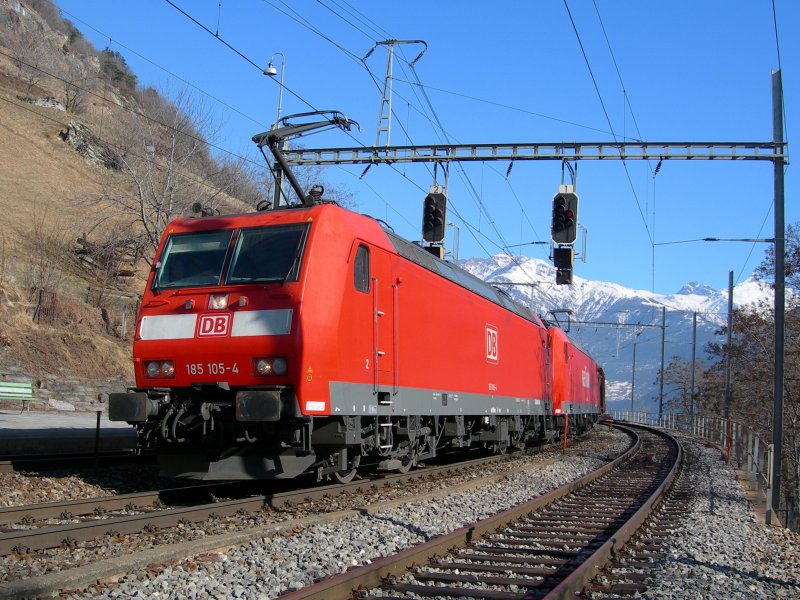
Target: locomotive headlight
point(263, 366)
point(279, 366)
point(159, 368)
point(153, 369)
point(218, 301)
point(266, 367)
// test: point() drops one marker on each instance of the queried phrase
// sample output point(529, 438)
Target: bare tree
point(76, 79)
point(32, 55)
point(678, 379)
point(166, 160)
point(752, 358)
point(47, 248)
point(766, 269)
point(242, 180)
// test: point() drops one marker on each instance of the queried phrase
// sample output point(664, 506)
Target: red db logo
point(211, 325)
point(491, 344)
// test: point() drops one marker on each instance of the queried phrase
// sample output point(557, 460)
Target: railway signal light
point(433, 215)
point(565, 217)
point(563, 260)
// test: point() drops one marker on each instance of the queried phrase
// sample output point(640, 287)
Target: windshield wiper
point(295, 261)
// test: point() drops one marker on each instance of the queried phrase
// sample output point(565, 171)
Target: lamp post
point(271, 71)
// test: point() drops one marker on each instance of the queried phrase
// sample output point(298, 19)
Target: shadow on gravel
point(730, 571)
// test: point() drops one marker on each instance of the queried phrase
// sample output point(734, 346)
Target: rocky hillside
point(73, 254)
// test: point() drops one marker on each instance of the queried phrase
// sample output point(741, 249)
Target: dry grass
point(73, 346)
point(44, 181)
point(48, 198)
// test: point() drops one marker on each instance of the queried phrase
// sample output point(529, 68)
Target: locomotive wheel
point(348, 475)
point(407, 463)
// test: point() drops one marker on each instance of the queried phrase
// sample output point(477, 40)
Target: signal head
point(565, 218)
point(433, 217)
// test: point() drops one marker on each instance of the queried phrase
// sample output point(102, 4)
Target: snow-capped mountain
point(607, 319)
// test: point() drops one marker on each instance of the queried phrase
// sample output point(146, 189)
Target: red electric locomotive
point(310, 337)
point(578, 383)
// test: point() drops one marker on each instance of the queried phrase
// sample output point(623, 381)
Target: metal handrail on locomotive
point(310, 338)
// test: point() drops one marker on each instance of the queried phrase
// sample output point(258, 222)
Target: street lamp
point(271, 71)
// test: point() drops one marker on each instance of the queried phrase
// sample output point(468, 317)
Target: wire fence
point(118, 311)
point(46, 311)
point(738, 442)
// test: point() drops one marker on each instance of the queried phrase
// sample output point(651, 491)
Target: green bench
point(11, 390)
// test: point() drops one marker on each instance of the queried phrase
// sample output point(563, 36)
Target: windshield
point(193, 259)
point(268, 254)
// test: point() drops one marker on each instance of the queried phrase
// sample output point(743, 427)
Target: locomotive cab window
point(361, 269)
point(268, 254)
point(192, 259)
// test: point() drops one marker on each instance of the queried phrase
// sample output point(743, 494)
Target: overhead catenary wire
point(165, 70)
point(304, 22)
point(608, 119)
point(753, 247)
point(238, 52)
point(714, 239)
point(340, 16)
point(384, 33)
point(514, 108)
point(135, 112)
point(188, 175)
point(619, 74)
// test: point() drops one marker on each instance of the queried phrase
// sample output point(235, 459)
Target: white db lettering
point(491, 344)
point(213, 325)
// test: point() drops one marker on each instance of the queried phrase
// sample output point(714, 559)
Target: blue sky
point(502, 72)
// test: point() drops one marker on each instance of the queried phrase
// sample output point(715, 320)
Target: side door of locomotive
point(374, 320)
point(385, 297)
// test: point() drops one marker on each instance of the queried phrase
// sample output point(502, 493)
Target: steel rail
point(99, 505)
point(581, 576)
point(189, 493)
point(374, 575)
point(64, 535)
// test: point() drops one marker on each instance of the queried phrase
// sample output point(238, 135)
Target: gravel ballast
point(274, 565)
point(718, 552)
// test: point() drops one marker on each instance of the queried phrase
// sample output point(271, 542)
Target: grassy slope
point(44, 181)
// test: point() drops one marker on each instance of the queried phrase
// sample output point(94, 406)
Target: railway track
point(20, 535)
point(628, 571)
point(547, 548)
